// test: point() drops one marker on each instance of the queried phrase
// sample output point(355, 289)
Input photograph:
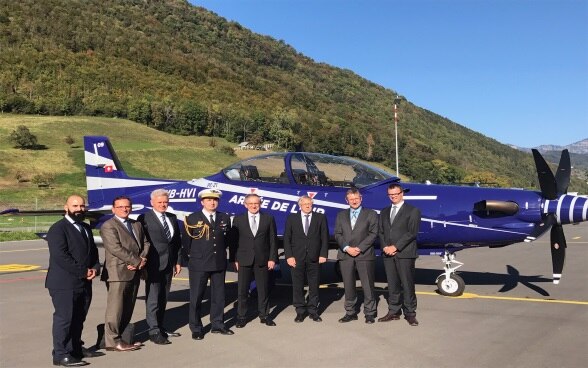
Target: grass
point(17, 235)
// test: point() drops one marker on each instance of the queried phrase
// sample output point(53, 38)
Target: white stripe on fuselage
point(97, 183)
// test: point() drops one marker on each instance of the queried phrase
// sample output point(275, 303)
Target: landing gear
point(448, 283)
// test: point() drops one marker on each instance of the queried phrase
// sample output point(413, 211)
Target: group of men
point(150, 249)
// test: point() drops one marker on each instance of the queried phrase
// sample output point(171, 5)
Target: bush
point(226, 150)
point(23, 138)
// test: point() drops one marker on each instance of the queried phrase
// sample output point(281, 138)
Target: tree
point(23, 138)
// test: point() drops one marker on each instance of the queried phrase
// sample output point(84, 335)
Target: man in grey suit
point(356, 230)
point(163, 233)
point(125, 249)
point(306, 246)
point(398, 229)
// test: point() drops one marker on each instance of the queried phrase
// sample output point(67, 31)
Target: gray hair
point(305, 197)
point(159, 193)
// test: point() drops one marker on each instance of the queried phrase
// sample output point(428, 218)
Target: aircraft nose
point(567, 208)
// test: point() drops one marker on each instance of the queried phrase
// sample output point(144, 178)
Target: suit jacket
point(248, 249)
point(163, 254)
point(121, 249)
point(209, 251)
point(403, 231)
point(70, 256)
point(311, 246)
point(363, 234)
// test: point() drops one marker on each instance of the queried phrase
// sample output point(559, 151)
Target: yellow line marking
point(14, 267)
point(22, 250)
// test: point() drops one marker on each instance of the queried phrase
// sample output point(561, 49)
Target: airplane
point(453, 217)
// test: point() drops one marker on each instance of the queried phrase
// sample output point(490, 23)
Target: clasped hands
point(140, 266)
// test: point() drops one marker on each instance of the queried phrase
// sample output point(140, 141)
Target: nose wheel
point(449, 283)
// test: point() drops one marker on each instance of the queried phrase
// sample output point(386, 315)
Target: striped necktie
point(166, 227)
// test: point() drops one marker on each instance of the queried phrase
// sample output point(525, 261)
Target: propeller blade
point(562, 176)
point(558, 251)
point(546, 179)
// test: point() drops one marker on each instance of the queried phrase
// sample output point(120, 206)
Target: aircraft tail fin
point(106, 178)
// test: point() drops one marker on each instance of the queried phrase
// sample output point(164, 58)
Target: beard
point(78, 216)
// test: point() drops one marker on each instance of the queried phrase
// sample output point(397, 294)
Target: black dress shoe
point(412, 320)
point(240, 323)
point(197, 335)
point(171, 334)
point(267, 321)
point(222, 331)
point(369, 320)
point(316, 318)
point(159, 339)
point(70, 362)
point(348, 318)
point(300, 317)
point(390, 317)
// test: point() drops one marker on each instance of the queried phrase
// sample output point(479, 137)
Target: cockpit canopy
point(306, 169)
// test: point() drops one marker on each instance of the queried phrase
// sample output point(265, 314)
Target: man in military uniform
point(204, 240)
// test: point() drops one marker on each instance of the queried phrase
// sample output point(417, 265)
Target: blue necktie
point(130, 228)
point(166, 227)
point(354, 214)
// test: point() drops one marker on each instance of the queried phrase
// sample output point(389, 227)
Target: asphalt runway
point(510, 316)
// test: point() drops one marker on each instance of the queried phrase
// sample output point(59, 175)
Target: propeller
point(551, 188)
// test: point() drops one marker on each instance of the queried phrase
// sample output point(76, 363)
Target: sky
point(513, 70)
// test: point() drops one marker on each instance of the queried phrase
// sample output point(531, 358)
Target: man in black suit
point(356, 230)
point(205, 240)
point(254, 250)
point(398, 229)
point(306, 246)
point(163, 232)
point(73, 264)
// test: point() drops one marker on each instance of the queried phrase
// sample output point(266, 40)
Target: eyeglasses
point(123, 207)
point(394, 194)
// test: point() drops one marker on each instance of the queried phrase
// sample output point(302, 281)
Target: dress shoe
point(300, 317)
point(122, 346)
point(267, 321)
point(87, 353)
point(171, 334)
point(159, 339)
point(369, 320)
point(197, 335)
point(70, 362)
point(348, 318)
point(390, 317)
point(412, 320)
point(222, 331)
point(240, 323)
point(315, 317)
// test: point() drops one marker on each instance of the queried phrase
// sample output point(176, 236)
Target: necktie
point(393, 214)
point(306, 224)
point(253, 225)
point(82, 231)
point(130, 228)
point(166, 227)
point(353, 218)
point(211, 221)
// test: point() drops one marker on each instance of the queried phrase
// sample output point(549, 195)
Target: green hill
point(184, 70)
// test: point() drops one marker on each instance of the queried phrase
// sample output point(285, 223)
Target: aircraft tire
point(452, 287)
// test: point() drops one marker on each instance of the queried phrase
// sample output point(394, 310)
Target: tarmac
point(511, 315)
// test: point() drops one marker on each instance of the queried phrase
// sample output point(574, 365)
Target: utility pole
point(396, 103)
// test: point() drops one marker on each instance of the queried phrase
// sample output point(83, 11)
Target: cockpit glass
point(307, 169)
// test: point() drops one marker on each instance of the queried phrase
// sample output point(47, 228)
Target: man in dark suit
point(306, 246)
point(398, 229)
point(125, 248)
point(356, 230)
point(163, 233)
point(73, 264)
point(205, 241)
point(254, 251)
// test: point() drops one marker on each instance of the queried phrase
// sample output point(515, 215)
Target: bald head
point(75, 207)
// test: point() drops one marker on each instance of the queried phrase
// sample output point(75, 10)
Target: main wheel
point(452, 287)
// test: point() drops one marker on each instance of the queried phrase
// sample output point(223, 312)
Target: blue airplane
point(453, 217)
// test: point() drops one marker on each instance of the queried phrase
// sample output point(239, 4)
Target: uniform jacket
point(363, 234)
point(121, 249)
point(163, 254)
point(306, 247)
point(70, 256)
point(209, 251)
point(403, 231)
point(248, 249)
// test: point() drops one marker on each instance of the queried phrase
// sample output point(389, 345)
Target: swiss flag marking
point(108, 168)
